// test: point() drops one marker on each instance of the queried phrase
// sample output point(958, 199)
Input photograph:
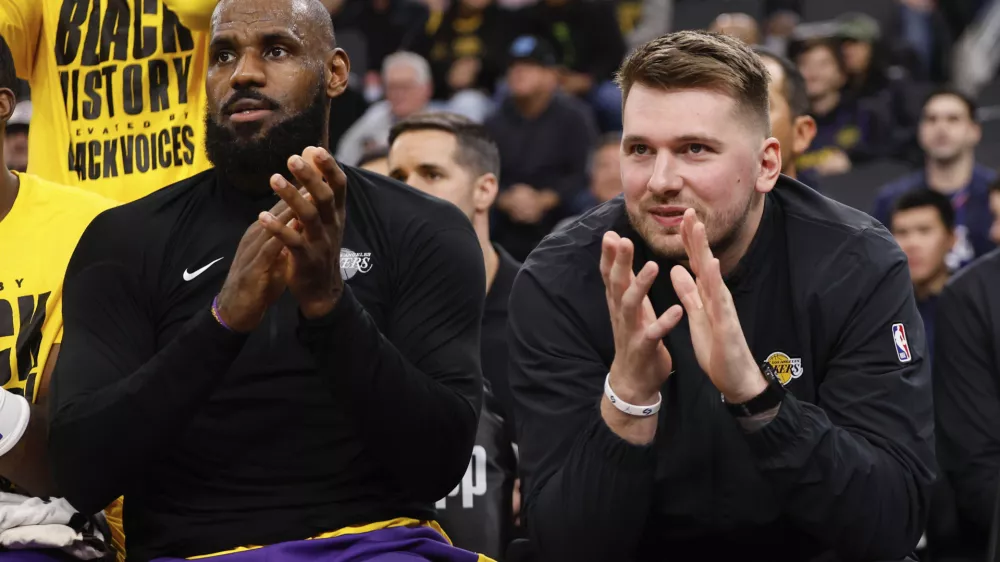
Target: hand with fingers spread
point(716, 334)
point(256, 277)
point(642, 363)
point(313, 242)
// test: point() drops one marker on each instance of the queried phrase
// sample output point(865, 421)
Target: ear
point(770, 166)
point(803, 133)
point(7, 103)
point(977, 131)
point(485, 192)
point(338, 68)
point(952, 239)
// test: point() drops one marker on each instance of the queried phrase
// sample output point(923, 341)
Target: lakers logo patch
point(785, 368)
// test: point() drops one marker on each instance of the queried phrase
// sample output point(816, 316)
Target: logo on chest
point(352, 263)
point(785, 368)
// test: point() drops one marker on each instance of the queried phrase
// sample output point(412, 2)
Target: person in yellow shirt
point(117, 88)
point(40, 224)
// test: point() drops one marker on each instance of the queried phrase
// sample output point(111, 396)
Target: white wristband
point(15, 412)
point(630, 409)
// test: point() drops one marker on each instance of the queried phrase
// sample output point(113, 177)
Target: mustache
point(248, 95)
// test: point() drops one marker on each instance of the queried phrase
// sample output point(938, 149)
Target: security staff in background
point(451, 157)
point(315, 375)
point(788, 99)
point(771, 399)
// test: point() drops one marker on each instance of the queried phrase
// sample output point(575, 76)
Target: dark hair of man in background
point(927, 198)
point(475, 151)
point(793, 84)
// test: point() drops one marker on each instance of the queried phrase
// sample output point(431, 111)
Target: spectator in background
point(644, 20)
point(387, 26)
point(544, 137)
point(605, 178)
point(791, 123)
point(920, 25)
point(466, 46)
point(995, 210)
point(589, 46)
point(847, 132)
point(923, 223)
point(450, 157)
point(376, 161)
point(15, 141)
point(739, 25)
point(948, 134)
point(967, 401)
point(408, 90)
point(877, 74)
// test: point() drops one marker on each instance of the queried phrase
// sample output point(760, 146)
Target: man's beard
point(235, 155)
point(723, 229)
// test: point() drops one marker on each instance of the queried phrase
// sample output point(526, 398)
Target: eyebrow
point(225, 39)
point(683, 139)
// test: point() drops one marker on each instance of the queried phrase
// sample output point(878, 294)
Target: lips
point(669, 216)
point(248, 110)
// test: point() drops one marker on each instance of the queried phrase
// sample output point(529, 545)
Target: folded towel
point(37, 523)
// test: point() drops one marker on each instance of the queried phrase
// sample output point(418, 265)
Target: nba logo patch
point(902, 347)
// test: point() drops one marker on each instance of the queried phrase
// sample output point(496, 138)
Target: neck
point(731, 256)
point(9, 184)
point(826, 103)
point(534, 106)
point(481, 224)
point(790, 170)
point(932, 286)
point(949, 176)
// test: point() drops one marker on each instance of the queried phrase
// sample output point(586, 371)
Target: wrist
point(754, 386)
point(226, 319)
point(627, 390)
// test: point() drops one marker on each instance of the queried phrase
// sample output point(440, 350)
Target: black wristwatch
point(770, 398)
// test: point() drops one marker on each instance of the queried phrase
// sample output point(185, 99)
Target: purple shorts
point(396, 544)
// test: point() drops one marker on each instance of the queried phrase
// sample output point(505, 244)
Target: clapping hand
point(312, 242)
point(716, 334)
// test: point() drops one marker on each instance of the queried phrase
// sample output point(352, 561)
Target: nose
point(664, 178)
point(249, 72)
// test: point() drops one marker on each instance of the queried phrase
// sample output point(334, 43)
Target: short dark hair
point(699, 59)
point(923, 197)
point(794, 87)
point(970, 103)
point(8, 74)
point(831, 44)
point(475, 150)
point(372, 155)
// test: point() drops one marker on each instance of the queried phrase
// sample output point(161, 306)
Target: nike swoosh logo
point(189, 276)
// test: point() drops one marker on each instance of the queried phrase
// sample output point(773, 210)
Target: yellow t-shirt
point(37, 238)
point(117, 88)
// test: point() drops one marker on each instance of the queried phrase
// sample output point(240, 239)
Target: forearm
point(595, 507)
point(424, 428)
point(26, 465)
point(850, 490)
point(99, 439)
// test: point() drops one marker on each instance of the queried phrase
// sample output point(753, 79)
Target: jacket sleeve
point(117, 400)
point(195, 15)
point(586, 491)
point(20, 26)
point(415, 389)
point(966, 402)
point(854, 470)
